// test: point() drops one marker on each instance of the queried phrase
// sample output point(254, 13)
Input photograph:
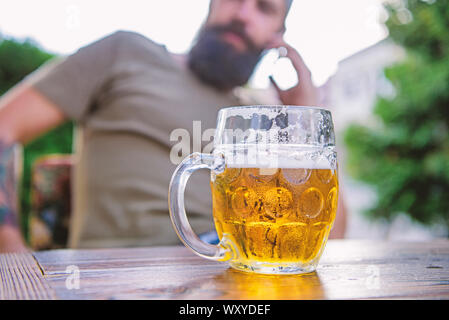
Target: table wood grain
point(349, 269)
point(22, 279)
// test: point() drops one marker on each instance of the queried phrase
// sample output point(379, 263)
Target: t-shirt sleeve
point(73, 82)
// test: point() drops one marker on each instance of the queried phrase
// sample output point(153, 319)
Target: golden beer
point(281, 215)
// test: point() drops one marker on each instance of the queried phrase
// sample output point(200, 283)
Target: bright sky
point(323, 31)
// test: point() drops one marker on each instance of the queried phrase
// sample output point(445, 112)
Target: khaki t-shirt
point(128, 95)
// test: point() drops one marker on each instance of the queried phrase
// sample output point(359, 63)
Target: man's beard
point(218, 63)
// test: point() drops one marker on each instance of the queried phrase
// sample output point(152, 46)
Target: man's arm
point(24, 115)
point(68, 87)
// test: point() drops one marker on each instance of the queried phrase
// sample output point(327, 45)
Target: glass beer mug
point(274, 188)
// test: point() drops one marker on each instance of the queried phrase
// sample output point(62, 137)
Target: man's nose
point(245, 11)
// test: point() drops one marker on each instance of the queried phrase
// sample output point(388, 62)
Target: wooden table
point(349, 269)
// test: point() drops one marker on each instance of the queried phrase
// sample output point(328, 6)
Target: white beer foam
point(277, 156)
point(247, 112)
point(280, 163)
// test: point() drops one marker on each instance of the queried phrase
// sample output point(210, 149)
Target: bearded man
point(128, 94)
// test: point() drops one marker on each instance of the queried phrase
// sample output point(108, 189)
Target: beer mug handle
point(190, 164)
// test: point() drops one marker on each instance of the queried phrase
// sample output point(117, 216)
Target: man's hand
point(11, 240)
point(305, 92)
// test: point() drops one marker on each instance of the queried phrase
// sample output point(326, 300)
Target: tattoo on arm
point(8, 196)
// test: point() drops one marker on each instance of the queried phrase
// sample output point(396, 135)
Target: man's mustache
point(237, 29)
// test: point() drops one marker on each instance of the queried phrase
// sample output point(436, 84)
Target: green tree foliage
point(406, 156)
point(17, 60)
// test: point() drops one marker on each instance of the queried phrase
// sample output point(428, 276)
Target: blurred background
point(382, 68)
